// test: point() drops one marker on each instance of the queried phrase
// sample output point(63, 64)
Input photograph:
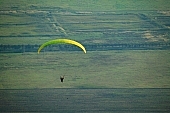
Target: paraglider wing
point(59, 41)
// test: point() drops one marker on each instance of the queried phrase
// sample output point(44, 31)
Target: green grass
point(97, 69)
point(23, 40)
point(86, 100)
point(41, 18)
point(123, 30)
point(100, 69)
point(91, 5)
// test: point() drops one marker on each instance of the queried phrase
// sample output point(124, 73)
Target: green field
point(91, 21)
point(89, 5)
point(96, 69)
point(25, 22)
point(123, 100)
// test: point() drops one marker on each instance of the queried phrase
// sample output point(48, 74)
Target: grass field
point(118, 21)
point(89, 5)
point(91, 22)
point(96, 69)
point(128, 81)
point(130, 100)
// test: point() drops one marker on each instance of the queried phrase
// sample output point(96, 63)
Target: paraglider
point(61, 78)
point(60, 41)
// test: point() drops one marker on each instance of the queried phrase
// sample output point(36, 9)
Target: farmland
point(132, 100)
point(36, 23)
point(96, 69)
point(126, 68)
point(128, 44)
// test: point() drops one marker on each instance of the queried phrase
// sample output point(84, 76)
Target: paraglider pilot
point(61, 78)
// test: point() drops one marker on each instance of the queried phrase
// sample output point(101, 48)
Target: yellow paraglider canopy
point(59, 41)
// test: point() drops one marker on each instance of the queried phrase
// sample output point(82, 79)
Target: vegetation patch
point(100, 69)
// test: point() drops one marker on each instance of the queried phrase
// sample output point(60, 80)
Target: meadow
point(129, 81)
point(119, 100)
point(117, 21)
point(96, 69)
point(89, 5)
